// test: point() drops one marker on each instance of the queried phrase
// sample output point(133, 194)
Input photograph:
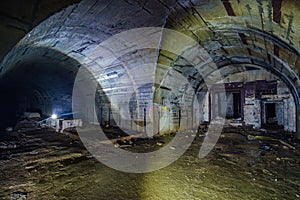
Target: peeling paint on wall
point(252, 112)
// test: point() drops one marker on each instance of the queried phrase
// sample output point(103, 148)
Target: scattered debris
point(251, 138)
point(21, 185)
point(265, 171)
point(9, 129)
point(8, 145)
point(32, 115)
point(235, 122)
point(64, 159)
point(28, 120)
point(72, 135)
point(19, 196)
point(129, 138)
point(90, 156)
point(26, 123)
point(267, 147)
point(125, 145)
point(62, 124)
point(286, 144)
point(160, 143)
point(33, 152)
point(116, 145)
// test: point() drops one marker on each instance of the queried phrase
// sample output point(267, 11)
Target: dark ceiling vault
point(18, 17)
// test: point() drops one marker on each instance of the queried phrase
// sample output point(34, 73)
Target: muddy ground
point(245, 164)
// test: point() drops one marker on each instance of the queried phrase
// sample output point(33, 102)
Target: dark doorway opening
point(236, 105)
point(233, 105)
point(271, 113)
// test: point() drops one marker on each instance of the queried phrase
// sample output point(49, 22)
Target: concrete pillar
point(297, 121)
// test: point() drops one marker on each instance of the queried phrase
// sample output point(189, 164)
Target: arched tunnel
point(38, 84)
point(130, 89)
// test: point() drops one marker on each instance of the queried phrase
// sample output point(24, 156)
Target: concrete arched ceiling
point(257, 32)
point(260, 33)
point(18, 17)
point(226, 29)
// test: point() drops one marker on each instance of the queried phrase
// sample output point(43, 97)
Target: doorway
point(270, 111)
point(233, 105)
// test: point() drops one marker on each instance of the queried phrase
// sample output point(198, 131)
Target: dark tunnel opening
point(40, 85)
point(7, 107)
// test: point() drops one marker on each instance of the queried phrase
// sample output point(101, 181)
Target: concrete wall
point(285, 111)
point(289, 107)
point(229, 109)
point(289, 115)
point(252, 112)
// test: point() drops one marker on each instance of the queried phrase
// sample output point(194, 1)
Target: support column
point(298, 121)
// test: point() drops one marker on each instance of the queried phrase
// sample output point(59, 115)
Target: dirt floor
point(245, 164)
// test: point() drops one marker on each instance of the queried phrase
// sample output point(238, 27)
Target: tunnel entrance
point(41, 85)
point(8, 107)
